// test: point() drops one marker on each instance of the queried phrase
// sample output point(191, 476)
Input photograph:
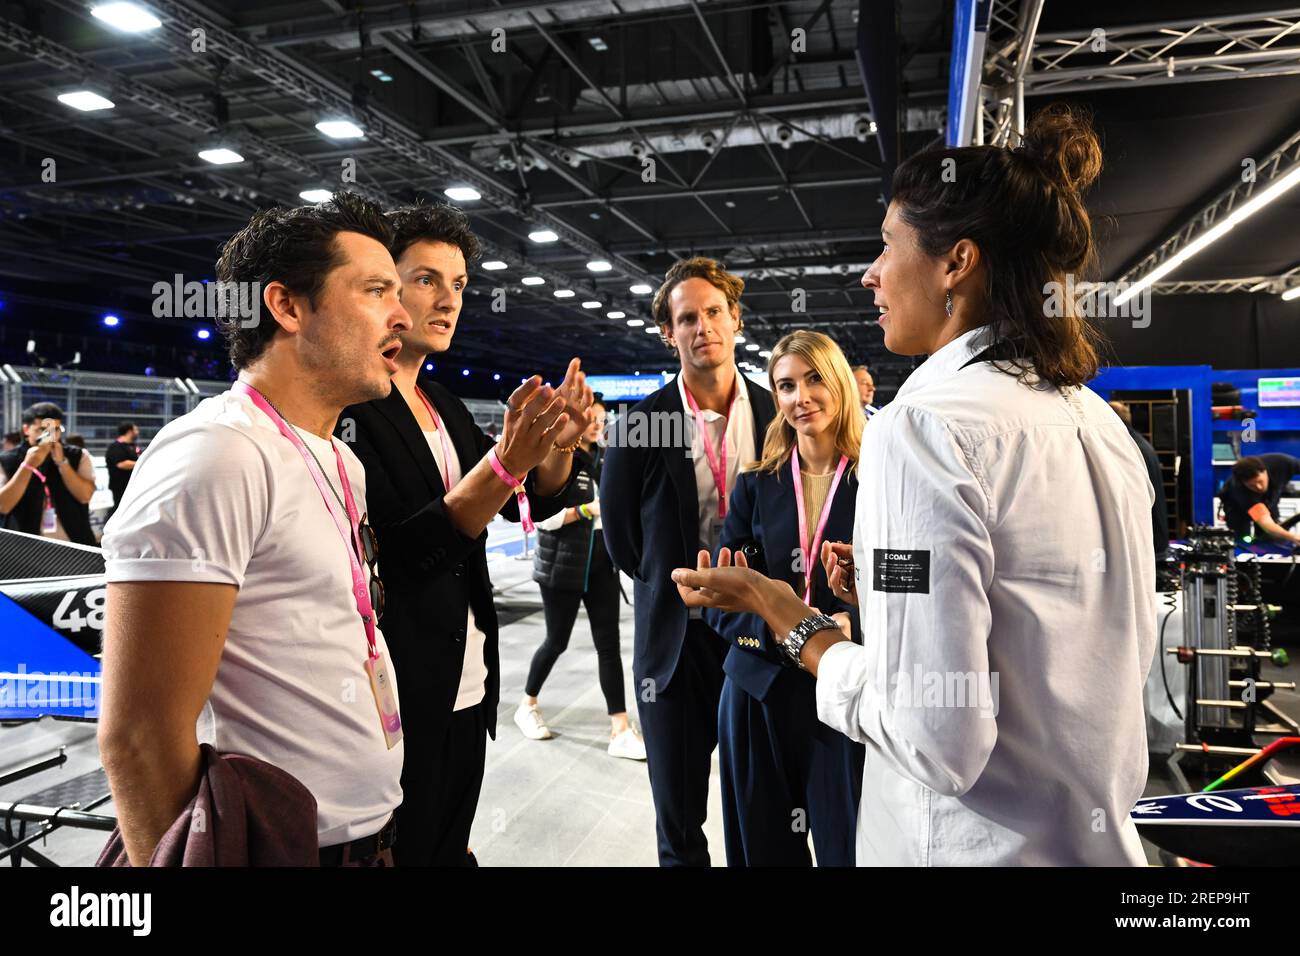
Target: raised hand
point(577, 396)
point(535, 417)
point(837, 560)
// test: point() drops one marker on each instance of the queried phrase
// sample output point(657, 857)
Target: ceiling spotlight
point(85, 101)
point(640, 289)
point(599, 265)
point(128, 17)
point(652, 329)
point(111, 321)
point(1290, 294)
point(496, 376)
point(532, 280)
point(543, 235)
point(564, 293)
point(752, 347)
point(462, 193)
point(204, 334)
point(316, 195)
point(615, 315)
point(494, 265)
point(591, 304)
point(636, 323)
point(598, 44)
point(220, 156)
point(340, 129)
point(740, 340)
point(765, 353)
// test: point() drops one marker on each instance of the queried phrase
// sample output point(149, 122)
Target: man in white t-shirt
point(231, 617)
point(434, 489)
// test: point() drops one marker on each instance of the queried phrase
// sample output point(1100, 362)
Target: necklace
point(297, 432)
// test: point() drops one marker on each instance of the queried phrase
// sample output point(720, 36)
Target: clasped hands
point(734, 586)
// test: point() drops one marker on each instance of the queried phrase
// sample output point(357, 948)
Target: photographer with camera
point(47, 483)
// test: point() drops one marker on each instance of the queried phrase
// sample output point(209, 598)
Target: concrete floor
point(559, 802)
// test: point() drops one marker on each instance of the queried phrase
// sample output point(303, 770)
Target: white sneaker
point(530, 722)
point(627, 744)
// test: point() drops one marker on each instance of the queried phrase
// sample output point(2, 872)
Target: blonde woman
point(788, 773)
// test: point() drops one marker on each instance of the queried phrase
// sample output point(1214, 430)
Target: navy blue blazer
point(763, 512)
point(649, 508)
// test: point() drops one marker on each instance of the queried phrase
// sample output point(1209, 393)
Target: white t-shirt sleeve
point(555, 522)
point(194, 510)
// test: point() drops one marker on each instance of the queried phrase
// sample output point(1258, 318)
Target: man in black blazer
point(434, 481)
point(663, 494)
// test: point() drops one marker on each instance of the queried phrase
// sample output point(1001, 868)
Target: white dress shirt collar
point(948, 359)
point(742, 395)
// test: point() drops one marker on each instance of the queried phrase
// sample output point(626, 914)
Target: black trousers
point(561, 611)
point(784, 773)
point(680, 726)
point(441, 780)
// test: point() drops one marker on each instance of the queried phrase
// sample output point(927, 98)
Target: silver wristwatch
point(804, 630)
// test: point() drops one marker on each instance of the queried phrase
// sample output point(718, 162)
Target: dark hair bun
point(1061, 140)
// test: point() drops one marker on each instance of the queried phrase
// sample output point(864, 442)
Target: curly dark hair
point(1024, 209)
point(433, 222)
point(697, 267)
point(295, 247)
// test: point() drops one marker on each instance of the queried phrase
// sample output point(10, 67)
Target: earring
point(947, 304)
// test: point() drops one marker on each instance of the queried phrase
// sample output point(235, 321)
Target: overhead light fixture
point(651, 329)
point(640, 289)
point(204, 334)
point(462, 193)
point(220, 156)
point(1290, 294)
point(127, 17)
point(740, 340)
point(316, 195)
point(564, 293)
point(381, 76)
point(751, 347)
point(599, 265)
point(340, 129)
point(615, 315)
point(494, 265)
point(1240, 214)
point(111, 321)
point(598, 44)
point(765, 353)
point(636, 323)
point(543, 235)
point(532, 280)
point(591, 304)
point(85, 101)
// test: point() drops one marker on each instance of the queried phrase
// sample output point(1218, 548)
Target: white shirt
point(221, 496)
point(473, 671)
point(740, 451)
point(1013, 528)
point(869, 410)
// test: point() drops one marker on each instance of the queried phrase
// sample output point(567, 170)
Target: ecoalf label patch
point(902, 572)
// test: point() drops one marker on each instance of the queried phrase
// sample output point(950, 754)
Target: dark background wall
point(1224, 331)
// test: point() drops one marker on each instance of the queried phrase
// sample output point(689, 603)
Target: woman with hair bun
point(1001, 550)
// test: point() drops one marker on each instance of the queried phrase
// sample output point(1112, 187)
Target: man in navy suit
point(669, 470)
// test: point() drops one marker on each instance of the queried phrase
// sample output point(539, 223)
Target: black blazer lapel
point(394, 408)
point(680, 467)
point(763, 407)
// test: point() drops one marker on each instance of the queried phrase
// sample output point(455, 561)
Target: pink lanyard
point(447, 450)
point(717, 462)
point(360, 587)
point(49, 502)
point(810, 548)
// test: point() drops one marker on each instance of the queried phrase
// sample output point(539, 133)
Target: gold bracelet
point(567, 449)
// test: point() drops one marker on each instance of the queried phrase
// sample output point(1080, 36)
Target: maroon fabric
point(246, 813)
